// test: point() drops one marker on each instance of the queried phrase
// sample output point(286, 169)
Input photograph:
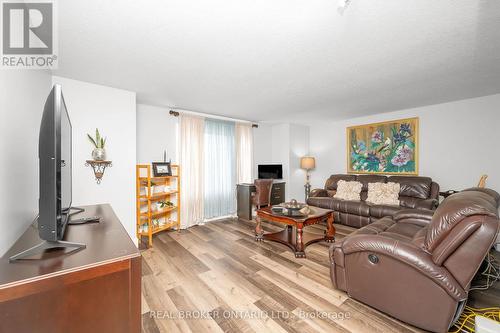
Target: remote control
point(83, 220)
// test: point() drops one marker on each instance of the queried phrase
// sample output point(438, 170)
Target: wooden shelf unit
point(146, 198)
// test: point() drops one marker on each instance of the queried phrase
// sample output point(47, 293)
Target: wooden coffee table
point(294, 235)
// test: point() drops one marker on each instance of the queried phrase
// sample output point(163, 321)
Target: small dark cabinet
point(244, 198)
point(277, 193)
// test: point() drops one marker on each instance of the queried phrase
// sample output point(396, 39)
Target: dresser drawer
point(278, 193)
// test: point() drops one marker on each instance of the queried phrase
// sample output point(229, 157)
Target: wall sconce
point(98, 167)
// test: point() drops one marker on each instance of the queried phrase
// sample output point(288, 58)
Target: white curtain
point(220, 169)
point(191, 157)
point(244, 153)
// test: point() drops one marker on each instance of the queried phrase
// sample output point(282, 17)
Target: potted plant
point(163, 204)
point(160, 205)
point(98, 154)
point(152, 188)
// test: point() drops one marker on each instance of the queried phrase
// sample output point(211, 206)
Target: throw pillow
point(383, 193)
point(348, 190)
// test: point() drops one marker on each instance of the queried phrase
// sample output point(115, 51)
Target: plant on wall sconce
point(98, 167)
point(98, 161)
point(98, 154)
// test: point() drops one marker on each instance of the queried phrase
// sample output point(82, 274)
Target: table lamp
point(307, 163)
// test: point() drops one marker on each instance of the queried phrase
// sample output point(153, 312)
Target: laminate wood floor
point(216, 278)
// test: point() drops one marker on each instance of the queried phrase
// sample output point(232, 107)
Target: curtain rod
point(176, 114)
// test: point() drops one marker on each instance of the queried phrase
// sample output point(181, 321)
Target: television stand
point(96, 289)
point(46, 245)
point(77, 210)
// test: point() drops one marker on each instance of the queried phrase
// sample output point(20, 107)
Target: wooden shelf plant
point(158, 202)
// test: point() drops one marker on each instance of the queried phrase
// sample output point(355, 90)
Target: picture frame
point(162, 169)
point(389, 147)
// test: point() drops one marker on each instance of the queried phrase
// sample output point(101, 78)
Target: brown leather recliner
point(417, 266)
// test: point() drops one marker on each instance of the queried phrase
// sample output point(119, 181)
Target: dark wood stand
point(96, 289)
point(244, 198)
point(294, 235)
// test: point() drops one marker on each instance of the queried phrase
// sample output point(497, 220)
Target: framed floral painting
point(390, 147)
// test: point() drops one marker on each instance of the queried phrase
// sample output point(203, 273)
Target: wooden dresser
point(97, 289)
point(244, 197)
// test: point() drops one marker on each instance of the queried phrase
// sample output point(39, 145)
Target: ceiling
point(274, 60)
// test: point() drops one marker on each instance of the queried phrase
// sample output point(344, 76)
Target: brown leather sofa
point(416, 192)
point(418, 265)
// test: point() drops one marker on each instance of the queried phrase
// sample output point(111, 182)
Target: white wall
point(22, 97)
point(262, 152)
point(113, 111)
point(280, 150)
point(299, 147)
point(156, 131)
point(285, 144)
point(458, 142)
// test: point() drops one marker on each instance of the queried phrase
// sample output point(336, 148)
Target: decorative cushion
point(383, 194)
point(331, 183)
point(348, 190)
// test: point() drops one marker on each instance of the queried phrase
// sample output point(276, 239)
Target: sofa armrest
point(421, 217)
point(409, 255)
point(426, 204)
point(318, 192)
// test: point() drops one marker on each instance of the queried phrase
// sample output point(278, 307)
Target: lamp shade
point(307, 163)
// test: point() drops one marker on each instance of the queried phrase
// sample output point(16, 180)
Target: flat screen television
point(270, 171)
point(54, 153)
point(55, 196)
